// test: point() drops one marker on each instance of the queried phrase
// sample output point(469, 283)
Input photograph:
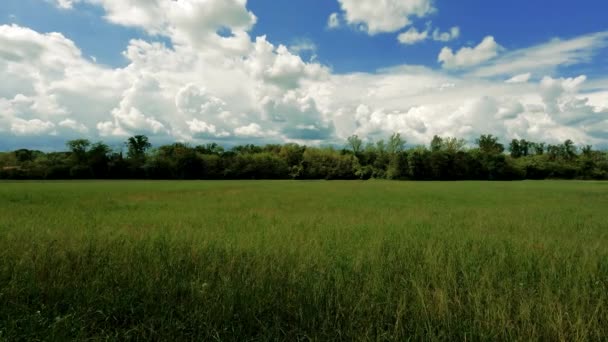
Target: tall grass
point(304, 261)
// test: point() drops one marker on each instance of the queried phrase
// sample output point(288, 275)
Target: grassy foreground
point(304, 261)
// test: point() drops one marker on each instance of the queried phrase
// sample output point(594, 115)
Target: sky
point(306, 71)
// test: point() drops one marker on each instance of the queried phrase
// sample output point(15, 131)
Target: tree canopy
point(445, 158)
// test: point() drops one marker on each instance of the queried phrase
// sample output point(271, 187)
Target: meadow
point(303, 260)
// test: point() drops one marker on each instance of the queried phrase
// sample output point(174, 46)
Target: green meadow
point(298, 260)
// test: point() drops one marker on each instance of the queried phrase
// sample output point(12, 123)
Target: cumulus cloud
point(419, 103)
point(193, 22)
point(253, 130)
point(31, 127)
point(159, 16)
point(303, 46)
point(201, 129)
point(564, 105)
point(467, 56)
point(210, 119)
point(413, 36)
point(297, 116)
point(74, 126)
point(204, 86)
point(379, 121)
point(439, 36)
point(138, 110)
point(384, 16)
point(182, 92)
point(279, 66)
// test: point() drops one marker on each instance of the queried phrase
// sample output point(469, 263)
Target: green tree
point(78, 149)
point(515, 149)
point(398, 166)
point(24, 155)
point(137, 149)
point(98, 159)
point(569, 150)
point(355, 144)
point(436, 144)
point(137, 146)
point(454, 145)
point(418, 163)
point(395, 144)
point(326, 163)
point(211, 148)
point(489, 144)
point(538, 148)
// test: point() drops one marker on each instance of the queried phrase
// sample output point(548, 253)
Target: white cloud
point(334, 21)
point(197, 127)
point(467, 57)
point(138, 110)
point(439, 36)
point(420, 103)
point(31, 127)
point(544, 58)
point(510, 109)
point(202, 129)
point(207, 87)
point(379, 121)
point(135, 122)
point(279, 66)
point(74, 126)
point(304, 46)
point(253, 130)
point(64, 3)
point(521, 78)
point(562, 103)
point(386, 15)
point(192, 22)
point(413, 36)
point(297, 116)
point(195, 101)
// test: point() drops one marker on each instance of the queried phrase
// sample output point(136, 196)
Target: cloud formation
point(236, 88)
point(413, 36)
point(546, 57)
point(373, 16)
point(469, 56)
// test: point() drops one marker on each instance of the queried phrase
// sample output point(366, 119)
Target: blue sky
point(352, 77)
point(517, 23)
point(86, 27)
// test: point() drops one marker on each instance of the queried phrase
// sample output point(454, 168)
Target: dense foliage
point(443, 159)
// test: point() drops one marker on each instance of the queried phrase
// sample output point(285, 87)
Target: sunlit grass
point(288, 260)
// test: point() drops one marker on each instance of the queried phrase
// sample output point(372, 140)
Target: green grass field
point(287, 260)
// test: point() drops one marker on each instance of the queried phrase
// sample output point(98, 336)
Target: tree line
point(443, 159)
